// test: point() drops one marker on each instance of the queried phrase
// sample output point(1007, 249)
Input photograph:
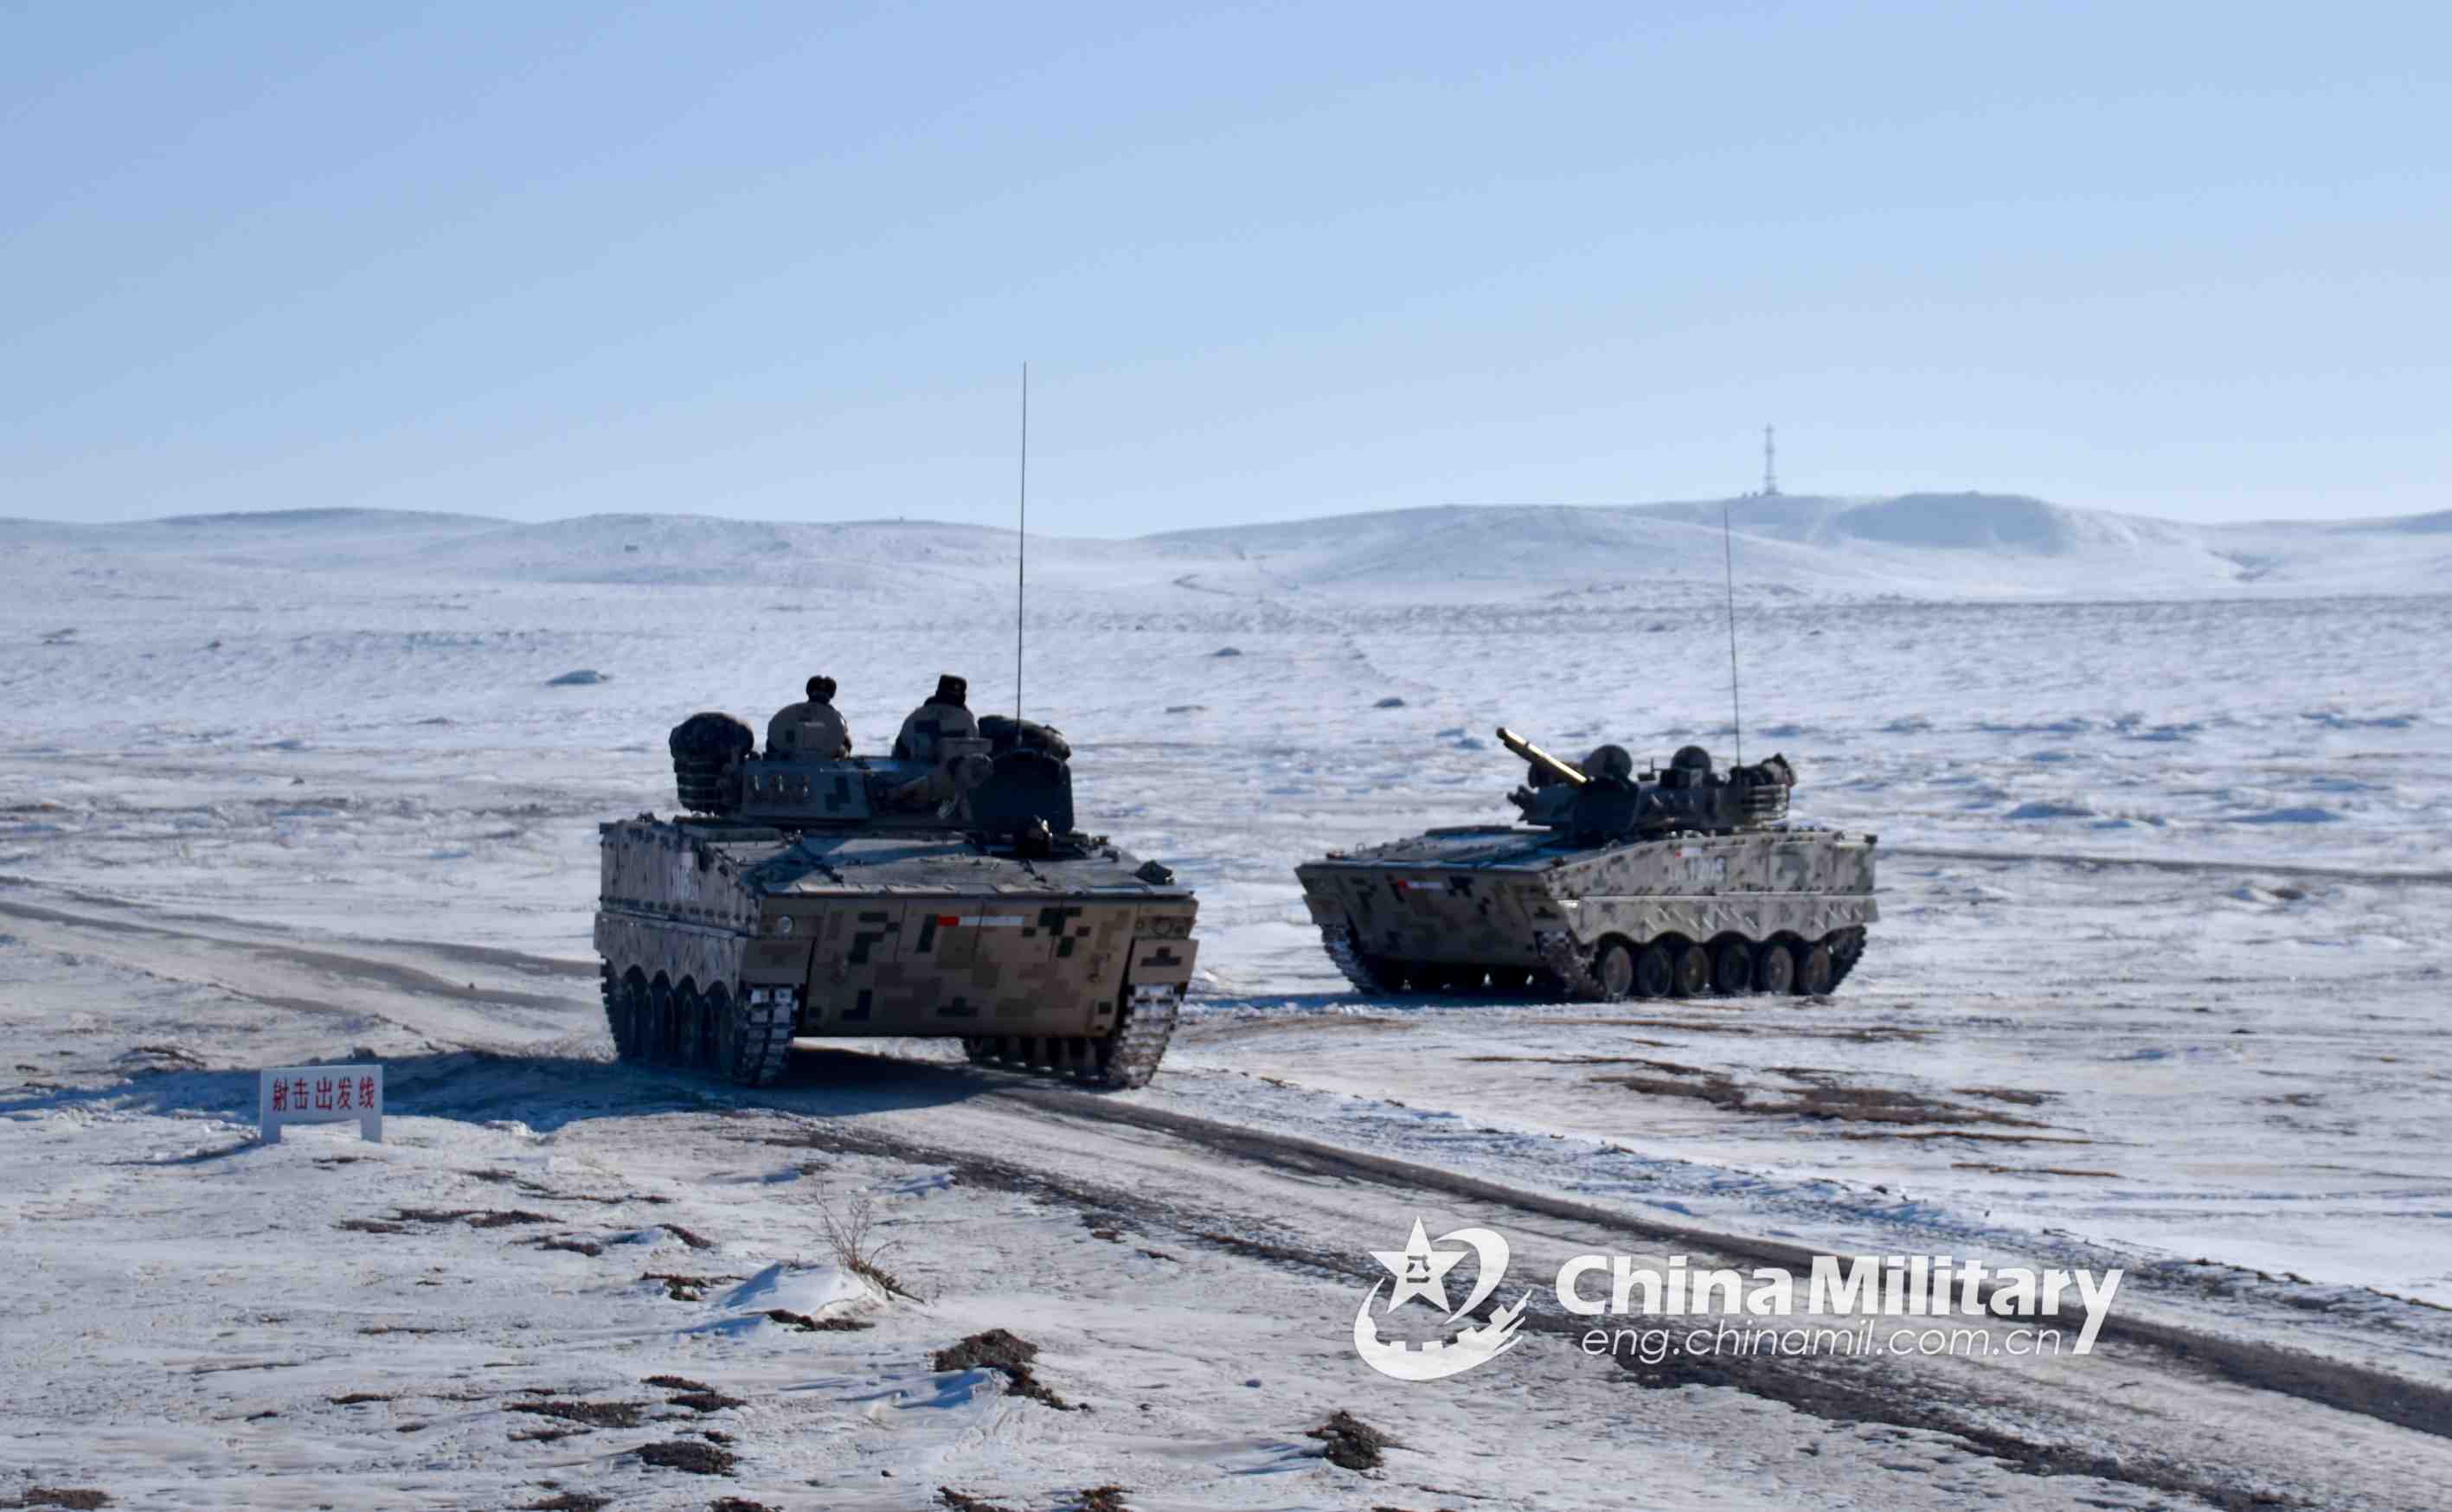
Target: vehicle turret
point(1604, 798)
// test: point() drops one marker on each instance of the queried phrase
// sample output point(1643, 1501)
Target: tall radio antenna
point(1729, 559)
point(1021, 544)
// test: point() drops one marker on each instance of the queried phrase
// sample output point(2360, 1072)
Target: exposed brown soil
point(1827, 1096)
point(573, 1246)
point(1962, 1133)
point(477, 1217)
point(678, 1384)
point(959, 1501)
point(696, 1241)
point(1100, 1498)
point(2030, 1170)
point(685, 1288)
point(2019, 1095)
point(998, 1349)
point(736, 1504)
point(808, 1324)
point(1843, 1390)
point(691, 1456)
point(1864, 1034)
point(529, 1186)
point(1351, 1443)
point(571, 1501)
point(546, 1435)
point(1567, 1060)
point(706, 1402)
point(83, 1499)
point(356, 1397)
point(371, 1226)
point(593, 1414)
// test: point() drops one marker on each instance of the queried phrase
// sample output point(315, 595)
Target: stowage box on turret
point(868, 895)
point(1664, 884)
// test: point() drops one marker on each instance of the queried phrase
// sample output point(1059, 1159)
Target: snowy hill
point(1935, 546)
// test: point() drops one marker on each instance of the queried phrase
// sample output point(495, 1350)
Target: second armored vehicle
point(948, 895)
point(1666, 884)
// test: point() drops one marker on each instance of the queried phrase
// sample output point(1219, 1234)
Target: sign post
point(320, 1094)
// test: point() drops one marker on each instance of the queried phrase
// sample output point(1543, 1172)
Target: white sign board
point(320, 1094)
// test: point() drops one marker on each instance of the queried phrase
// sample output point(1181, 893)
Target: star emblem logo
point(1419, 1270)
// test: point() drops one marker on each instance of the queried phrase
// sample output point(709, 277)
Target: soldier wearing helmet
point(946, 716)
point(812, 730)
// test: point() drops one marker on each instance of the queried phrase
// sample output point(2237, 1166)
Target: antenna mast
point(1021, 544)
point(1729, 558)
point(1770, 475)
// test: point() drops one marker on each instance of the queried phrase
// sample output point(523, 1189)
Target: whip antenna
point(1729, 559)
point(1021, 544)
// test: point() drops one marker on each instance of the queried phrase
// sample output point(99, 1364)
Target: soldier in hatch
point(814, 731)
point(944, 717)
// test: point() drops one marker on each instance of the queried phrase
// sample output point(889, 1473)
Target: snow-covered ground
point(2160, 981)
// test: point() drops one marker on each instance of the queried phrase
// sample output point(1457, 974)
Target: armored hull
point(1616, 890)
point(817, 901)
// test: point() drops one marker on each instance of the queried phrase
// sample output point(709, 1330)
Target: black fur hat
point(951, 689)
point(821, 689)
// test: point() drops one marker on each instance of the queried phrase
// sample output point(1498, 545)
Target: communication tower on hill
point(1770, 475)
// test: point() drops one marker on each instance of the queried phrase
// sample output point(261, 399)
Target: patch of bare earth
point(690, 1457)
point(805, 1324)
point(589, 1414)
point(1825, 1095)
point(1006, 1353)
point(1350, 1442)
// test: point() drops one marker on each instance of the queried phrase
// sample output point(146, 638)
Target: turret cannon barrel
point(1558, 770)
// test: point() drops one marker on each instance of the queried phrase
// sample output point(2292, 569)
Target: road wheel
point(1732, 968)
point(1774, 969)
point(1655, 971)
point(660, 1036)
point(626, 1006)
point(703, 1048)
point(1613, 970)
point(1813, 971)
point(1693, 972)
point(1847, 948)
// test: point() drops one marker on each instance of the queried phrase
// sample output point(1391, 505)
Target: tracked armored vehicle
point(873, 895)
point(1667, 883)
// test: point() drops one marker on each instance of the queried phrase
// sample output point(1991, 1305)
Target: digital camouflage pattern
point(822, 901)
point(1645, 905)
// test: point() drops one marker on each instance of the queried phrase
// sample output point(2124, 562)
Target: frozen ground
point(2162, 965)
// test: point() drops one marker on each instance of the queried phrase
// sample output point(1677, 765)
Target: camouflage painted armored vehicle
point(873, 895)
point(1668, 883)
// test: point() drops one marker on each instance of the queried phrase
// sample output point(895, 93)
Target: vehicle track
point(2170, 1348)
point(2179, 864)
point(2024, 1422)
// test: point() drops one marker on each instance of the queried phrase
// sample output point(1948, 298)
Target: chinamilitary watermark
point(1859, 1304)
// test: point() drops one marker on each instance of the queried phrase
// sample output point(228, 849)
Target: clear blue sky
point(782, 261)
